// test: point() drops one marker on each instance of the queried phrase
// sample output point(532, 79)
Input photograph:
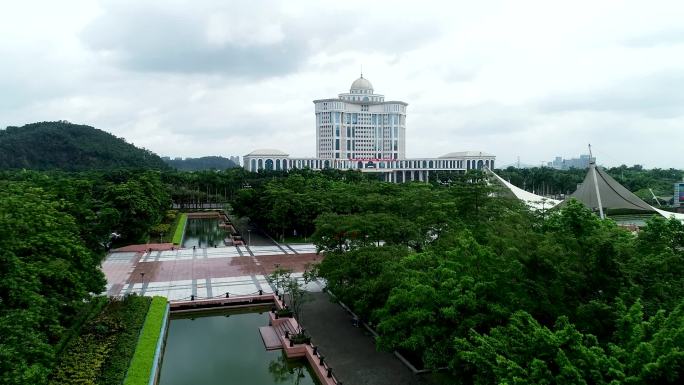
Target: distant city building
point(679, 194)
point(235, 159)
point(565, 164)
point(359, 130)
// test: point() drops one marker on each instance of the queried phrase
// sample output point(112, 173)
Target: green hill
point(66, 146)
point(199, 164)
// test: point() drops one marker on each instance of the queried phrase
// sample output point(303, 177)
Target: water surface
point(226, 349)
point(203, 232)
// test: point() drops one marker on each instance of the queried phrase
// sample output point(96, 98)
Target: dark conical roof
point(613, 194)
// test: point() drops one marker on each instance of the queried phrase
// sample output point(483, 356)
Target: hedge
point(141, 366)
point(100, 354)
point(180, 228)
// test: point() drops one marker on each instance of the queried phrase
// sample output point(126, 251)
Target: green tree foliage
point(141, 201)
point(525, 352)
point(643, 351)
point(190, 189)
point(199, 164)
point(66, 146)
point(502, 295)
point(54, 228)
point(46, 274)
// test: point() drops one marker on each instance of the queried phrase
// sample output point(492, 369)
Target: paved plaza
point(179, 274)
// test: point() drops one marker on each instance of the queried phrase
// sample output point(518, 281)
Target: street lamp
point(249, 237)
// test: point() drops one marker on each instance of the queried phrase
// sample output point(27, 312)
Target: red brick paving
point(176, 270)
point(296, 263)
point(117, 273)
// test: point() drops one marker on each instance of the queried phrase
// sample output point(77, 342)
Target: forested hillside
point(66, 146)
point(200, 164)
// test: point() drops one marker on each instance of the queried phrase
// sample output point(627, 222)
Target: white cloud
point(532, 79)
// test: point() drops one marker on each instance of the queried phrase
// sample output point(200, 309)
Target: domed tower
point(360, 125)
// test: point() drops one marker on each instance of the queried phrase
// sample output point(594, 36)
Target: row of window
point(284, 164)
point(357, 118)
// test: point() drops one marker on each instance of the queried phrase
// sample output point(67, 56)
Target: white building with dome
point(359, 130)
point(360, 125)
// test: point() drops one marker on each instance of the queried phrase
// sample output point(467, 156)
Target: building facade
point(359, 130)
point(360, 125)
point(678, 194)
point(565, 164)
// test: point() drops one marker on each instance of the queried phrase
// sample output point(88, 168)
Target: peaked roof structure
point(612, 194)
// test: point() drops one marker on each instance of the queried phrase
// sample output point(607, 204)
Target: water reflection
point(203, 232)
point(286, 371)
point(212, 349)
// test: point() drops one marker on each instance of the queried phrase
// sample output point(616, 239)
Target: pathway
point(349, 350)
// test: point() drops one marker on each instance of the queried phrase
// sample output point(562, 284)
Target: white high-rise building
point(359, 130)
point(360, 125)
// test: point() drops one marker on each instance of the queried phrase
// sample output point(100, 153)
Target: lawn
point(180, 227)
point(141, 366)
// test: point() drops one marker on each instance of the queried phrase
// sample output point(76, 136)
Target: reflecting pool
point(203, 232)
point(226, 348)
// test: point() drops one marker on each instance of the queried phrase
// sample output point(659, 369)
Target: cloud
point(656, 95)
point(662, 37)
point(239, 39)
point(245, 39)
point(213, 77)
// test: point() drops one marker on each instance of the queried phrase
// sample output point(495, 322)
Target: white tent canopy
point(613, 195)
point(534, 201)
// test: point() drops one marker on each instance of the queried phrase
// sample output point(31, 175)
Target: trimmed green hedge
point(180, 227)
point(102, 351)
point(143, 359)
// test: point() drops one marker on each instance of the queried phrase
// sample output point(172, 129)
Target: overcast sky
point(533, 79)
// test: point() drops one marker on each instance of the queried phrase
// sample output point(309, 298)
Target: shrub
point(101, 352)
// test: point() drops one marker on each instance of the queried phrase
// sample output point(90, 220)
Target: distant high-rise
point(679, 194)
point(360, 125)
point(565, 164)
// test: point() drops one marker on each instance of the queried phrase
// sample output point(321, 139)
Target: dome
point(362, 84)
point(267, 152)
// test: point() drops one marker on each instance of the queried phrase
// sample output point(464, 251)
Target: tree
point(294, 291)
point(525, 352)
point(46, 276)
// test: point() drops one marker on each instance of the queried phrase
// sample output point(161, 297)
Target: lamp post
point(249, 237)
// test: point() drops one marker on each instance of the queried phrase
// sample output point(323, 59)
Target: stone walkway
point(349, 350)
point(203, 273)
